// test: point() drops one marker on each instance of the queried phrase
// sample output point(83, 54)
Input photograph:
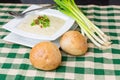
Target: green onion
point(69, 8)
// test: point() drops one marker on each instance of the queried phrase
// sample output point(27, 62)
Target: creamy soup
point(55, 24)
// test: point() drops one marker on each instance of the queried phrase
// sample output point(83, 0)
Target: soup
point(55, 24)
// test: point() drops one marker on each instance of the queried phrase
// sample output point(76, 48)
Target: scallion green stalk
point(69, 8)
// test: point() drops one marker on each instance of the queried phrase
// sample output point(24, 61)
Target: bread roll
point(45, 56)
point(74, 43)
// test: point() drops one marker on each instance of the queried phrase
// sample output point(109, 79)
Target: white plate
point(29, 42)
point(12, 25)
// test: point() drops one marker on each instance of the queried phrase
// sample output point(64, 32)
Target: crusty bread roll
point(74, 43)
point(45, 56)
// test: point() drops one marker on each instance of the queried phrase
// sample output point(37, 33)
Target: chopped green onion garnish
point(42, 21)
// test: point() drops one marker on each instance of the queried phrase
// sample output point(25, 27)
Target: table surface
point(96, 64)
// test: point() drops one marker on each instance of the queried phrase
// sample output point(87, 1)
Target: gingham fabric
point(96, 64)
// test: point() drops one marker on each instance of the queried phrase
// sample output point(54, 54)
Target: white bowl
point(67, 25)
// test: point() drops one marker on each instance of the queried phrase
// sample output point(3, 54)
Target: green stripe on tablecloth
point(19, 6)
point(100, 8)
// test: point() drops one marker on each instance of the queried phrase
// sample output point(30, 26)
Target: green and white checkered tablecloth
point(95, 65)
